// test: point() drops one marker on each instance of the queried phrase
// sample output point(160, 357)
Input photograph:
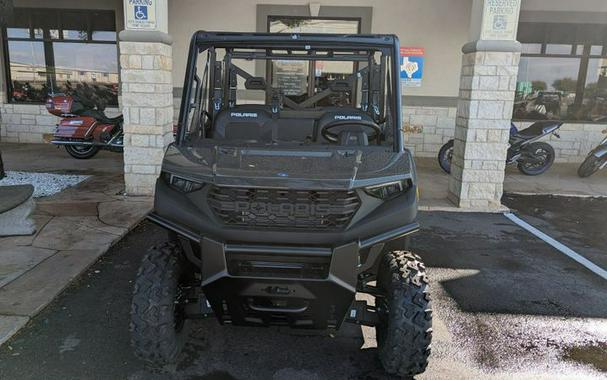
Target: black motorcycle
point(596, 159)
point(531, 156)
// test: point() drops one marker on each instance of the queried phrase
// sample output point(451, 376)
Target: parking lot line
point(558, 245)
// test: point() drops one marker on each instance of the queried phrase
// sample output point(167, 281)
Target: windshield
point(322, 97)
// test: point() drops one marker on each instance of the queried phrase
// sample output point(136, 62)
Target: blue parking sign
point(141, 12)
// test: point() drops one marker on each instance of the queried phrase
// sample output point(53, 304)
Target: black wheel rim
point(82, 148)
point(596, 164)
point(540, 158)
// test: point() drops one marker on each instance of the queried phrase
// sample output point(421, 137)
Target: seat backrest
point(295, 129)
point(245, 122)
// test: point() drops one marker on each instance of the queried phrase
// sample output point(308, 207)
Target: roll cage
point(222, 74)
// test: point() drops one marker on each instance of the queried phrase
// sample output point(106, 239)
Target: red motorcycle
point(84, 128)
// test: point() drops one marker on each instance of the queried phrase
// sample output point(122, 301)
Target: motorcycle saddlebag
point(75, 128)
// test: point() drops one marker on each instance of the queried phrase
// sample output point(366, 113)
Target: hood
point(288, 167)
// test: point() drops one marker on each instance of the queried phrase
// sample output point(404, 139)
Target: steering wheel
point(333, 137)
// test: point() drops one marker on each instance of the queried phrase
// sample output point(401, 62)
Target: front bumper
point(302, 287)
point(305, 279)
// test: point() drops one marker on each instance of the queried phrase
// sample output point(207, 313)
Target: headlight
point(387, 190)
point(182, 184)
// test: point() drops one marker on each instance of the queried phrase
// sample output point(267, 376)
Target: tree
point(539, 85)
point(565, 85)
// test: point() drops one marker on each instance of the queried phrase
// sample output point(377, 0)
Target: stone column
point(147, 106)
point(484, 112)
point(147, 96)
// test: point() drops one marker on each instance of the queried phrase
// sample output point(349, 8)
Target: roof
point(303, 40)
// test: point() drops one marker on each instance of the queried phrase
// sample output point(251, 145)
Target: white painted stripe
point(559, 246)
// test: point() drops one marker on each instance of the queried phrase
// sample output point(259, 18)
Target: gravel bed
point(45, 184)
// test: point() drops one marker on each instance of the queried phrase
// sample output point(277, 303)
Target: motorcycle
point(84, 128)
point(596, 159)
point(532, 157)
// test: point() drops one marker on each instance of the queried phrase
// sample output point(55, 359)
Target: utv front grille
point(283, 209)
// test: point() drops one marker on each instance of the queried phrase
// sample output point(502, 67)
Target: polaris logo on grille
point(243, 114)
point(282, 209)
point(348, 117)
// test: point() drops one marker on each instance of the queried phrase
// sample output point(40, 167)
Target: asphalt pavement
point(506, 305)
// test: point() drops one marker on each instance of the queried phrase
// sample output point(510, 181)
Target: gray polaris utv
point(287, 191)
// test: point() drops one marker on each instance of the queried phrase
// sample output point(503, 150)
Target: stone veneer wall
point(25, 123)
point(29, 123)
point(426, 129)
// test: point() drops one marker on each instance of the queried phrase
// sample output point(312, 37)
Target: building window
point(292, 75)
point(293, 24)
point(54, 50)
point(562, 73)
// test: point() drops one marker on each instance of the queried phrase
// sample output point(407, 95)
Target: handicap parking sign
point(141, 12)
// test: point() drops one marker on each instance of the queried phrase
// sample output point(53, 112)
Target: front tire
point(590, 166)
point(158, 325)
point(404, 332)
point(445, 155)
point(537, 151)
point(82, 152)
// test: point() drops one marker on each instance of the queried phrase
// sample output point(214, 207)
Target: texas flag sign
point(411, 66)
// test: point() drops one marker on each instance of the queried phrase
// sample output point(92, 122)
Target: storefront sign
point(411, 66)
point(500, 19)
point(140, 14)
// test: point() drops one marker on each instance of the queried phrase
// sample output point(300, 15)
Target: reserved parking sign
point(140, 14)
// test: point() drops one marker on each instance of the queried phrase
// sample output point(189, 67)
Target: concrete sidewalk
point(560, 179)
point(74, 228)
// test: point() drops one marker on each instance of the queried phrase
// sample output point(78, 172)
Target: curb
point(567, 195)
point(493, 210)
